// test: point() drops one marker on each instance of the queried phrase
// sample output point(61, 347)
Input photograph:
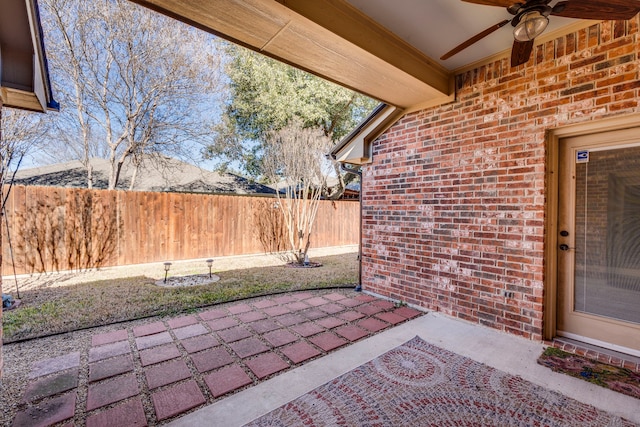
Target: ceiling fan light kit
point(531, 25)
point(531, 18)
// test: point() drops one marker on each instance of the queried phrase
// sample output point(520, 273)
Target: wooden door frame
point(553, 137)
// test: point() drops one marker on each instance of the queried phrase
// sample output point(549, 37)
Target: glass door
point(599, 240)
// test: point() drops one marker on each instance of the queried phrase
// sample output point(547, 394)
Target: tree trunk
point(133, 177)
point(89, 176)
point(116, 176)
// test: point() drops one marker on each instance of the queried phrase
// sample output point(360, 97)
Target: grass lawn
point(67, 308)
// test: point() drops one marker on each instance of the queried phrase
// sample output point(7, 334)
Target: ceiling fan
point(531, 18)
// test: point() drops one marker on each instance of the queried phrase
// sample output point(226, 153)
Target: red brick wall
point(454, 200)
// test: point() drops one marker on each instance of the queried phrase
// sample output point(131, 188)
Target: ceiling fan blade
point(500, 3)
point(520, 52)
point(474, 39)
point(597, 9)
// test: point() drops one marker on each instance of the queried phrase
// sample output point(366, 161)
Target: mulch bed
point(298, 265)
point(615, 378)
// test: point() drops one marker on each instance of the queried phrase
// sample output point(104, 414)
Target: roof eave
point(355, 147)
point(35, 94)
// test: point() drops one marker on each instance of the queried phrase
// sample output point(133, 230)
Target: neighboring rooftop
point(167, 174)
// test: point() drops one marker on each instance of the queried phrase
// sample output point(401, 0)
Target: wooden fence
point(53, 229)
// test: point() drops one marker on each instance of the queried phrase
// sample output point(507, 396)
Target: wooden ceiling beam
point(328, 38)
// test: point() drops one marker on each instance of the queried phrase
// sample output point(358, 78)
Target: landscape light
point(209, 264)
point(167, 266)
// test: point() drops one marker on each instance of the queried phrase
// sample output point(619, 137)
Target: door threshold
point(601, 344)
point(601, 354)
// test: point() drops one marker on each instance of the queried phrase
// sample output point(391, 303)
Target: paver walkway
point(155, 372)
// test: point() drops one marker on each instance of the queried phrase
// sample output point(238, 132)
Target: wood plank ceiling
point(329, 38)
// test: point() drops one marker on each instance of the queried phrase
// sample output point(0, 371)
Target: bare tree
point(294, 159)
point(132, 81)
point(22, 133)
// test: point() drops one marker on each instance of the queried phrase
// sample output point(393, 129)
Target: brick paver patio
point(185, 362)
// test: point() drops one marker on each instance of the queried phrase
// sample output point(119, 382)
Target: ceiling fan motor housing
point(532, 6)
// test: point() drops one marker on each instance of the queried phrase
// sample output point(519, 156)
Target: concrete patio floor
point(229, 364)
point(508, 353)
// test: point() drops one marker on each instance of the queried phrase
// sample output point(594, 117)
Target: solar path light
point(167, 266)
point(209, 264)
